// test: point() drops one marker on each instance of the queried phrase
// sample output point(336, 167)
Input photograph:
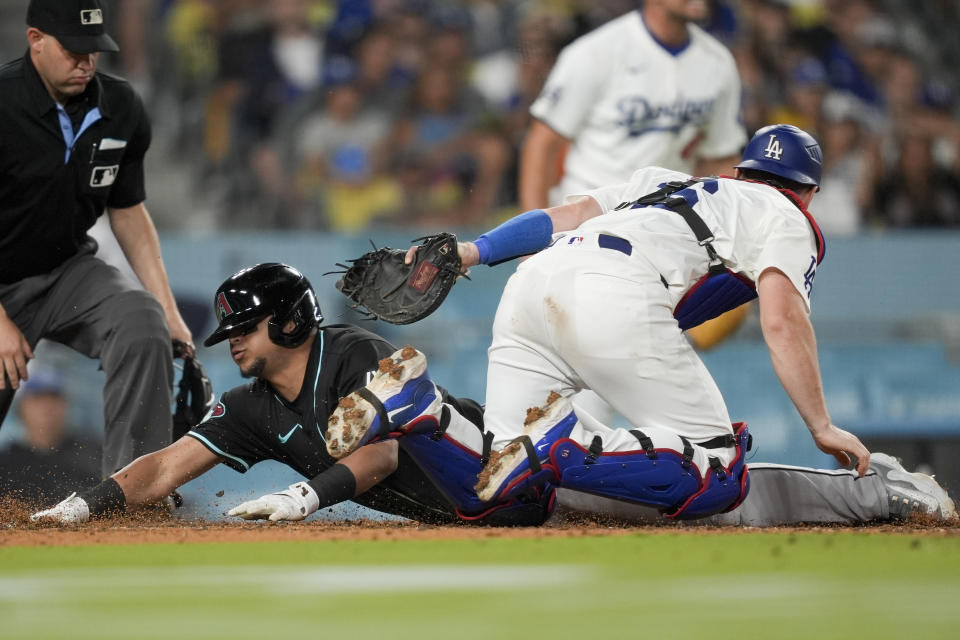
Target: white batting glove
point(72, 509)
point(294, 503)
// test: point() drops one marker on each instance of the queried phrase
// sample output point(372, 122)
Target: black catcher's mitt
point(380, 284)
point(194, 397)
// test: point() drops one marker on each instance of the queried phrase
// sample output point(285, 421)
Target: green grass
point(801, 585)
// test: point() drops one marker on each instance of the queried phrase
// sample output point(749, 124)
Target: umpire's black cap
point(79, 25)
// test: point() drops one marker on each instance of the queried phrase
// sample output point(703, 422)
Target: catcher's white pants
point(577, 316)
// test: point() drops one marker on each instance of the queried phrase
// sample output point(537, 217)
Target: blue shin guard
point(725, 487)
point(453, 469)
point(662, 482)
point(660, 478)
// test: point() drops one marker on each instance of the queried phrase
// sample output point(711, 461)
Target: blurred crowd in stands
point(339, 114)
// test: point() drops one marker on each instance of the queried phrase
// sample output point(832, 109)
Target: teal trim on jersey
point(316, 381)
point(217, 450)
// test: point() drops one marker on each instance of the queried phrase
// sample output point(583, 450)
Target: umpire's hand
point(294, 503)
point(14, 353)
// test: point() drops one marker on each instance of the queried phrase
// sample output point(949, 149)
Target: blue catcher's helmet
point(272, 290)
point(786, 151)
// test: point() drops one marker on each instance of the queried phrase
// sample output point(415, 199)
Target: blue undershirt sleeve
point(521, 235)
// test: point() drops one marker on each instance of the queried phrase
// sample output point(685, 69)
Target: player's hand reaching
point(294, 503)
point(14, 353)
point(72, 509)
point(841, 445)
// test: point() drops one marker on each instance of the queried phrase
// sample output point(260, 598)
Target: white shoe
point(911, 493)
point(394, 401)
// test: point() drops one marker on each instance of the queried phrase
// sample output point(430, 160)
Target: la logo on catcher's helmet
point(786, 151)
point(269, 290)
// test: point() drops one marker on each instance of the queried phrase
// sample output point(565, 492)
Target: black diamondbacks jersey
point(252, 423)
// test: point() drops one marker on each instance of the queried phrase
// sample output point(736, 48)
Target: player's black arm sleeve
point(334, 485)
point(106, 497)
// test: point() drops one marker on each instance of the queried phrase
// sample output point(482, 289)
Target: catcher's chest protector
point(720, 289)
point(713, 295)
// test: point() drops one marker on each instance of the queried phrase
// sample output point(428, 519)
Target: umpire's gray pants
point(92, 308)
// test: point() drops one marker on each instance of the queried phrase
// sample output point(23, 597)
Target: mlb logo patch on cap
point(91, 16)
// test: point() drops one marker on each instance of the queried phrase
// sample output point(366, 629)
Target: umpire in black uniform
point(72, 142)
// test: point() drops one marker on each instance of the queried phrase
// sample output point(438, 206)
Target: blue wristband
point(521, 235)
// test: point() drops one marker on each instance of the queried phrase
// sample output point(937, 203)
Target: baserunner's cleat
point(400, 394)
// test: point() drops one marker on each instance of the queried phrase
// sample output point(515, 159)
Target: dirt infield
point(156, 526)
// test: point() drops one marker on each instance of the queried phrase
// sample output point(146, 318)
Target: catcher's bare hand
point(841, 445)
point(14, 353)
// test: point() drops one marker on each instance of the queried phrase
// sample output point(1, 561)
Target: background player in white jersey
point(647, 88)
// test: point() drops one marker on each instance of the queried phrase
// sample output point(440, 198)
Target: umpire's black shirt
point(253, 422)
point(49, 199)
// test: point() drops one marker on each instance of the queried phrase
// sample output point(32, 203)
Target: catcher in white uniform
point(604, 307)
point(647, 88)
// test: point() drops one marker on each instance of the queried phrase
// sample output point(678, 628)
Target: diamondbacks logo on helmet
point(773, 150)
point(223, 307)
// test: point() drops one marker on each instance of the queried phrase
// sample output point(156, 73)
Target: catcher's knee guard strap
point(521, 235)
point(725, 487)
